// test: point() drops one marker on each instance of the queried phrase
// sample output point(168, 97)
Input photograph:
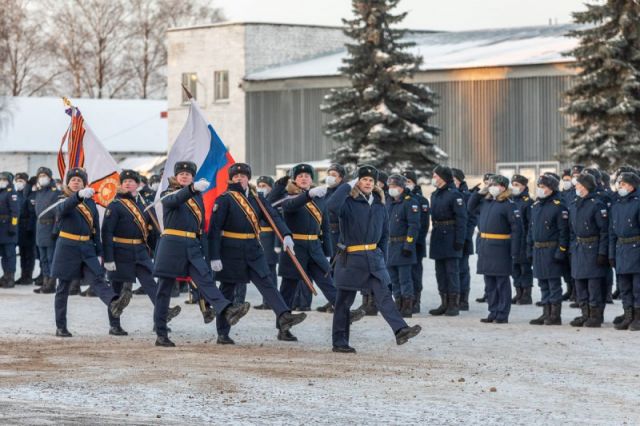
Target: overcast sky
point(423, 14)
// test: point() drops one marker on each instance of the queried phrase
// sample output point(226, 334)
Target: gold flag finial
point(66, 102)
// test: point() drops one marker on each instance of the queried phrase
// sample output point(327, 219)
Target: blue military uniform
point(417, 270)
point(9, 214)
point(27, 233)
point(467, 251)
point(404, 227)
point(309, 224)
point(365, 234)
point(522, 269)
point(234, 239)
point(500, 227)
point(46, 233)
point(589, 225)
point(125, 235)
point(449, 220)
point(547, 245)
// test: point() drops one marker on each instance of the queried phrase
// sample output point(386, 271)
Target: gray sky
point(423, 14)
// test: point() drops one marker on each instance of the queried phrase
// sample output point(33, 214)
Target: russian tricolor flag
point(199, 142)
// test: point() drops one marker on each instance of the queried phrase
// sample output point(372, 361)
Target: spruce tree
point(382, 118)
point(604, 103)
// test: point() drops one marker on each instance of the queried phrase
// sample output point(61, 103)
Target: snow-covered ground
point(457, 371)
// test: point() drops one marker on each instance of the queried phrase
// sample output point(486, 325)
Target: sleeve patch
point(603, 212)
point(414, 208)
point(14, 197)
point(565, 214)
point(459, 201)
point(425, 208)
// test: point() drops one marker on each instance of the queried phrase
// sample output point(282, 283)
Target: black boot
point(525, 299)
point(555, 315)
point(328, 308)
point(88, 292)
point(595, 317)
point(117, 305)
point(518, 295)
point(164, 342)
point(9, 281)
point(48, 286)
point(617, 320)
point(440, 310)
point(482, 299)
point(286, 336)
point(117, 331)
point(416, 303)
point(3, 279)
point(464, 301)
point(635, 325)
point(371, 309)
point(453, 307)
point(288, 320)
point(63, 332)
point(208, 314)
point(173, 312)
point(233, 313)
point(546, 309)
point(539, 303)
point(627, 319)
point(356, 315)
point(74, 288)
point(567, 294)
point(579, 321)
point(344, 349)
point(224, 339)
point(39, 280)
point(138, 291)
point(26, 278)
point(407, 307)
point(403, 335)
point(615, 295)
point(262, 307)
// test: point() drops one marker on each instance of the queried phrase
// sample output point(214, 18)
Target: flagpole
point(189, 95)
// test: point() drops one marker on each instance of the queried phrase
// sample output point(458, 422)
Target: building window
point(190, 81)
point(221, 85)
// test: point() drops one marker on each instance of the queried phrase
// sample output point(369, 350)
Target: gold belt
point(266, 229)
point(74, 237)
point(127, 240)
point(179, 233)
point(238, 236)
point(488, 236)
point(304, 237)
point(362, 247)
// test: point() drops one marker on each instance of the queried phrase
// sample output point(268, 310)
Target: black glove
point(458, 246)
point(602, 260)
point(475, 188)
point(612, 263)
point(467, 246)
point(406, 253)
point(282, 181)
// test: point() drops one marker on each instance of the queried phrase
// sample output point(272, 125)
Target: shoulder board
point(54, 189)
point(525, 198)
point(536, 202)
point(9, 189)
point(556, 202)
point(407, 197)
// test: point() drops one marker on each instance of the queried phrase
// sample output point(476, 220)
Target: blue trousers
point(465, 275)
point(416, 273)
point(448, 275)
point(498, 290)
point(303, 297)
point(551, 290)
point(27, 257)
point(206, 288)
point(344, 300)
point(268, 291)
point(629, 285)
point(401, 280)
point(104, 291)
point(589, 291)
point(147, 283)
point(8, 254)
point(46, 260)
point(325, 283)
point(522, 274)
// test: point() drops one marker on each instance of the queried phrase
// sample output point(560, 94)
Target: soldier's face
point(303, 180)
point(4, 183)
point(366, 184)
point(75, 184)
point(264, 188)
point(438, 181)
point(184, 178)
point(335, 175)
point(457, 182)
point(130, 186)
point(241, 179)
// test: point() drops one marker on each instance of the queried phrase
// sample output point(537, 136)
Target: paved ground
point(457, 371)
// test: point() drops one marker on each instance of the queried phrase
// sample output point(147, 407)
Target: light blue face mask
point(623, 192)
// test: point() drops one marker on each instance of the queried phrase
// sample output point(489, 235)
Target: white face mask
point(567, 185)
point(578, 193)
point(516, 190)
point(540, 193)
point(44, 181)
point(155, 186)
point(330, 180)
point(20, 186)
point(263, 191)
point(394, 192)
point(623, 192)
point(494, 191)
point(410, 186)
point(4, 184)
point(574, 181)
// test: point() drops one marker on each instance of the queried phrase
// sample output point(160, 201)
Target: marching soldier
point(9, 213)
point(363, 218)
point(485, 180)
point(417, 269)
point(624, 249)
point(180, 251)
point(267, 237)
point(500, 226)
point(404, 227)
point(465, 271)
point(46, 232)
point(589, 223)
point(547, 244)
point(78, 249)
point(237, 255)
point(449, 216)
point(26, 228)
point(522, 273)
point(125, 235)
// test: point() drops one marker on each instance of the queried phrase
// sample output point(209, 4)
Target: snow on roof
point(142, 164)
point(455, 50)
point(38, 124)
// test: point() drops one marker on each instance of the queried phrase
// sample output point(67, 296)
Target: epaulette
point(556, 202)
point(525, 198)
point(54, 189)
point(407, 197)
point(9, 189)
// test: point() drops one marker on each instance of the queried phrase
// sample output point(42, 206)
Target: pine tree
point(383, 118)
point(604, 103)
